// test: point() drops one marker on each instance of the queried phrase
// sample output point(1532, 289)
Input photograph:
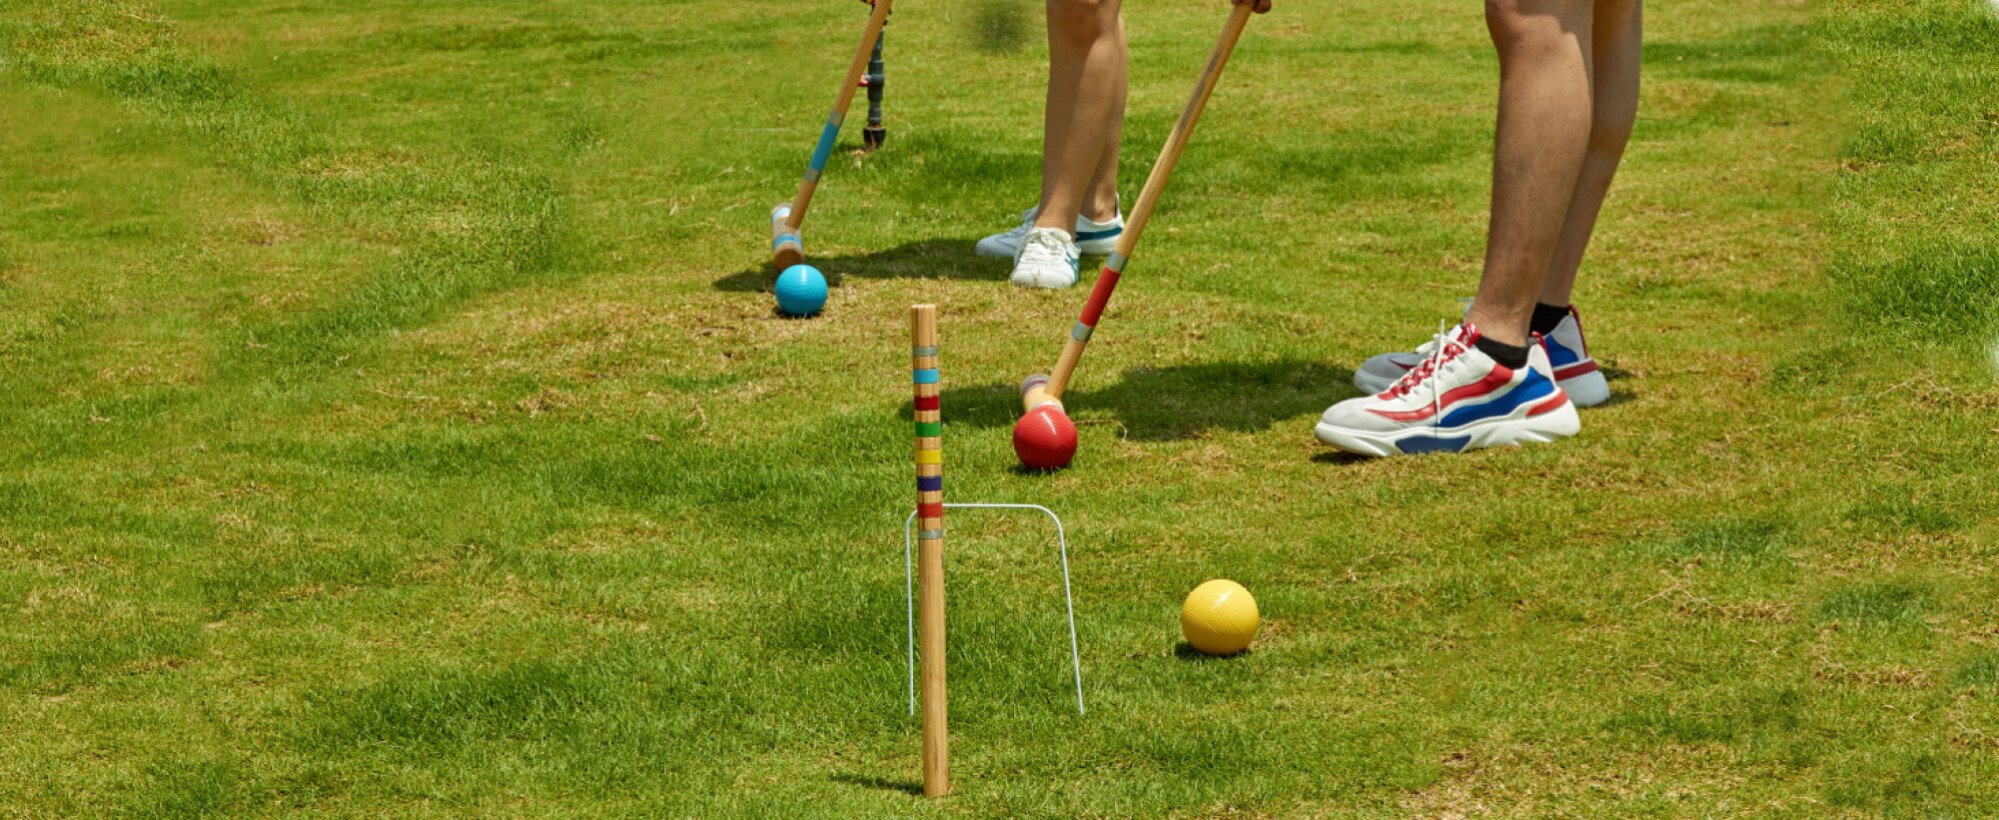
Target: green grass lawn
point(393, 419)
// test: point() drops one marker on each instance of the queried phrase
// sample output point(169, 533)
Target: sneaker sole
point(1587, 390)
point(1559, 423)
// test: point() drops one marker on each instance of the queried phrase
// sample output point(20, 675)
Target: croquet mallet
point(786, 248)
point(1041, 390)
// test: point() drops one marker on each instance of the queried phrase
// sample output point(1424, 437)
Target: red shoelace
point(1448, 348)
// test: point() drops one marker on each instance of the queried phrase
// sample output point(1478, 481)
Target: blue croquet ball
point(801, 290)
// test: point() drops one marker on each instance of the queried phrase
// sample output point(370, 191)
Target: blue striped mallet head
point(786, 247)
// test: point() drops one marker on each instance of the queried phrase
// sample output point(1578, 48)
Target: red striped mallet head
point(1041, 396)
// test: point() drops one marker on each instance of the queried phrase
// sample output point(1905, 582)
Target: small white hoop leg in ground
point(909, 591)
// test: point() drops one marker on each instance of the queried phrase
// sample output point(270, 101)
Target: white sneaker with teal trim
point(1456, 399)
point(1091, 237)
point(1047, 259)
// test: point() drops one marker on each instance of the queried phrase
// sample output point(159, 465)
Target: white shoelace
point(1049, 246)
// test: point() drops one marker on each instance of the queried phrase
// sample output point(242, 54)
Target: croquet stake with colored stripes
point(930, 545)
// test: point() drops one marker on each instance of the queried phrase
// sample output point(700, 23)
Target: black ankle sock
point(1546, 317)
point(1513, 356)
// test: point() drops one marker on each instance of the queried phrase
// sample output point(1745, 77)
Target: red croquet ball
point(1044, 439)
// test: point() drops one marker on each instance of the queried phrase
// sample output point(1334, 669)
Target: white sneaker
point(1455, 400)
point(1091, 237)
point(1568, 358)
point(1574, 370)
point(1047, 259)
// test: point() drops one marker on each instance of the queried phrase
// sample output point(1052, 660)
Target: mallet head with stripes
point(1041, 396)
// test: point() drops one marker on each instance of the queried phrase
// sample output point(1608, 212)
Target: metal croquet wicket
point(909, 591)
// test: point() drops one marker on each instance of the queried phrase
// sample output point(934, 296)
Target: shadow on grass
point(1186, 652)
point(868, 781)
point(1173, 403)
point(1614, 374)
point(928, 259)
point(1617, 397)
point(1024, 470)
point(999, 27)
point(1341, 457)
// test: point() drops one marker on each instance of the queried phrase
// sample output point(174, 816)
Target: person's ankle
point(1047, 220)
point(1513, 356)
point(1497, 328)
point(1546, 317)
point(1068, 234)
point(1102, 212)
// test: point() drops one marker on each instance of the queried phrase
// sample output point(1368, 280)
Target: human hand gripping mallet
point(1041, 395)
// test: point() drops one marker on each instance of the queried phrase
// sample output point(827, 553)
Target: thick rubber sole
point(1587, 390)
point(1511, 431)
point(1027, 281)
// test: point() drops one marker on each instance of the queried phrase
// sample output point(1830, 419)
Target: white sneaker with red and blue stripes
point(1574, 370)
point(1455, 399)
point(1568, 358)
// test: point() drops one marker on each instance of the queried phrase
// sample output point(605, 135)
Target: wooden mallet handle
point(786, 246)
point(1039, 390)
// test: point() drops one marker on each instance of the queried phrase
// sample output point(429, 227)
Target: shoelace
point(1430, 347)
point(1445, 349)
point(1048, 244)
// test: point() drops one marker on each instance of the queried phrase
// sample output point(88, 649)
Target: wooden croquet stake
point(786, 248)
point(1040, 390)
point(930, 546)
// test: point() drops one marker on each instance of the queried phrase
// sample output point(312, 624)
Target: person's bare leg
point(1543, 133)
point(1616, 42)
point(1100, 202)
point(1085, 69)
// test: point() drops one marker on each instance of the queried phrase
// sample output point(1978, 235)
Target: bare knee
point(1619, 16)
point(1081, 21)
point(1506, 20)
point(1609, 134)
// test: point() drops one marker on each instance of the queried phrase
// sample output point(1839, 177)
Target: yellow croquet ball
point(1219, 618)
